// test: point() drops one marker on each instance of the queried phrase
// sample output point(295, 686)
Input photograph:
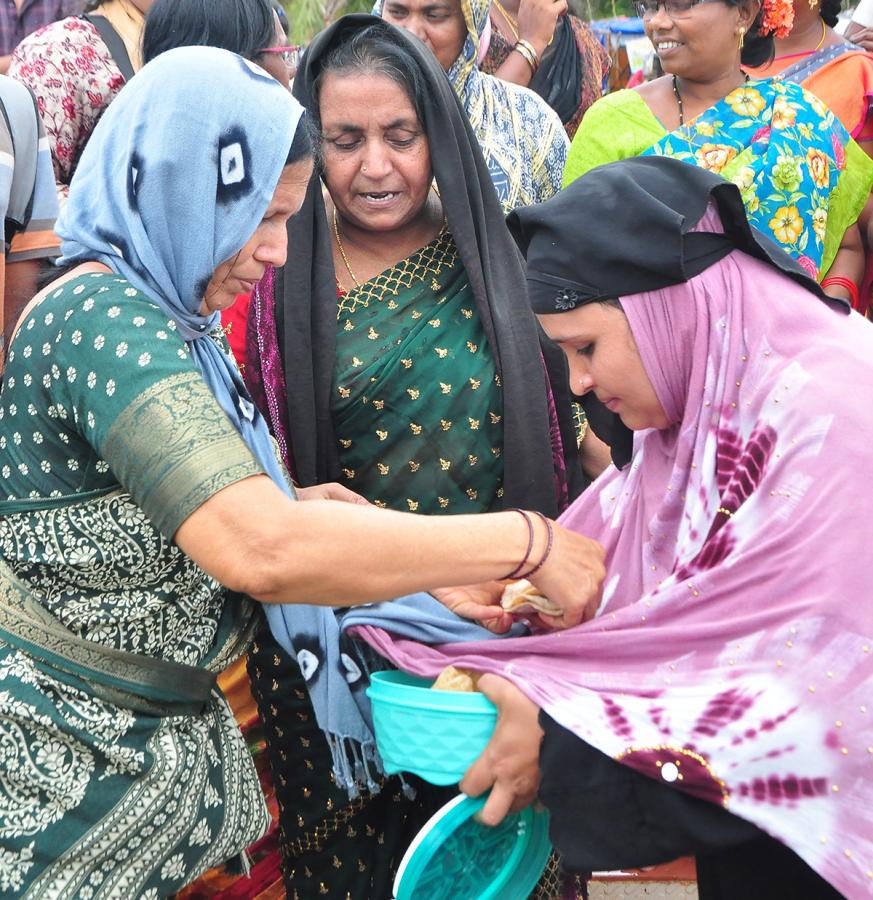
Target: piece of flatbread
point(521, 597)
point(453, 679)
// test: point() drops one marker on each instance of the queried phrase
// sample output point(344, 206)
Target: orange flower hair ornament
point(778, 18)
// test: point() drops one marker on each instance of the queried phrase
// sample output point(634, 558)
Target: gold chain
point(342, 251)
point(824, 34)
point(513, 25)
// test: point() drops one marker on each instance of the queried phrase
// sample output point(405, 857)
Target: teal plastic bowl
point(436, 735)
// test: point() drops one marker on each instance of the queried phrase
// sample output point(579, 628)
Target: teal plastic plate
point(455, 858)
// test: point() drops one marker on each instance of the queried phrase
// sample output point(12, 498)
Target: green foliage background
point(307, 17)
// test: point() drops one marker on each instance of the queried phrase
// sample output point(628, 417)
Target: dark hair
point(283, 16)
point(830, 12)
point(373, 51)
point(304, 141)
point(757, 49)
point(91, 5)
point(241, 26)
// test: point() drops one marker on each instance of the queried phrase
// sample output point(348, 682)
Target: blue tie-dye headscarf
point(174, 181)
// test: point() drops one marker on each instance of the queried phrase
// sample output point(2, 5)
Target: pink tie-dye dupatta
point(733, 652)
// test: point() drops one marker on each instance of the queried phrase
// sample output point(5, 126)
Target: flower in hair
point(778, 18)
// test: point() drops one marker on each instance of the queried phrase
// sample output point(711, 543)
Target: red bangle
point(842, 281)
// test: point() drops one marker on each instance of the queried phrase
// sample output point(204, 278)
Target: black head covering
point(626, 228)
point(306, 299)
point(559, 79)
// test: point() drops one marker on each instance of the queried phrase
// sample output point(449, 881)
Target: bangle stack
point(528, 53)
point(841, 281)
point(516, 574)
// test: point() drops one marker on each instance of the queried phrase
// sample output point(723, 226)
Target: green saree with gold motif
point(417, 404)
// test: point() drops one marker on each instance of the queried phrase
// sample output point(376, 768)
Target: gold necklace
point(342, 251)
point(824, 34)
point(513, 25)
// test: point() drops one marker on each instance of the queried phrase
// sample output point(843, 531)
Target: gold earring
point(812, 3)
point(743, 35)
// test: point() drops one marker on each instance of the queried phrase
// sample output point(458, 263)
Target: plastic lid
point(454, 857)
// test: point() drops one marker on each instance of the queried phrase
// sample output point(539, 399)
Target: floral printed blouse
point(74, 78)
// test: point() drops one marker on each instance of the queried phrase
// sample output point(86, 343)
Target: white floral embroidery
point(71, 374)
point(49, 318)
point(28, 350)
point(121, 349)
point(76, 337)
point(88, 305)
point(201, 835)
point(130, 292)
point(46, 348)
point(14, 867)
point(99, 341)
point(92, 379)
point(37, 437)
point(139, 321)
point(114, 312)
point(90, 419)
point(78, 289)
point(110, 387)
point(144, 359)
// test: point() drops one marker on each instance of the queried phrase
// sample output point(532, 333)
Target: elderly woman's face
point(438, 23)
point(375, 152)
point(603, 358)
point(268, 246)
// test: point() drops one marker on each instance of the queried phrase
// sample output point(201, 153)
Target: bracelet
point(548, 549)
point(847, 283)
point(530, 542)
point(528, 53)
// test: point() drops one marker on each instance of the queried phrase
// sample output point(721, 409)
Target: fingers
point(500, 801)
point(478, 778)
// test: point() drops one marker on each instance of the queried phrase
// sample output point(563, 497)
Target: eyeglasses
point(675, 9)
point(290, 55)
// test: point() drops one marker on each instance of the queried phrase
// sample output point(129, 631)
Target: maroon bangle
point(847, 283)
point(548, 549)
point(530, 542)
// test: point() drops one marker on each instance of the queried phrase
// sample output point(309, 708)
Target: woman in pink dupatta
point(720, 699)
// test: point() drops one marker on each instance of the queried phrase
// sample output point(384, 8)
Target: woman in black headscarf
point(397, 354)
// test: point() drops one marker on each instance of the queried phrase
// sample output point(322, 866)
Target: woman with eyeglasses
point(803, 180)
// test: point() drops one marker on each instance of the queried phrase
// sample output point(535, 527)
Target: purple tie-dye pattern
point(738, 644)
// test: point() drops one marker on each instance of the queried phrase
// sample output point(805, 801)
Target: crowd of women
point(636, 391)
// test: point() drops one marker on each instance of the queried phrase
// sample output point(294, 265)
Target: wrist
point(842, 288)
point(528, 53)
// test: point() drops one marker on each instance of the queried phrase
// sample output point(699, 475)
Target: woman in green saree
point(394, 354)
point(130, 449)
point(804, 181)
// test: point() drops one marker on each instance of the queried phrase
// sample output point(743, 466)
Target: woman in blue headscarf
point(142, 503)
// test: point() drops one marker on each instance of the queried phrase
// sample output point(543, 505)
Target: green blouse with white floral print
point(109, 439)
